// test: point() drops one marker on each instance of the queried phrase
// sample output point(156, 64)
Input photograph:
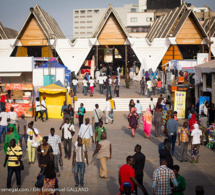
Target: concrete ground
point(123, 145)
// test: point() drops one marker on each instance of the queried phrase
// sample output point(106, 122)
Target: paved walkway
point(123, 145)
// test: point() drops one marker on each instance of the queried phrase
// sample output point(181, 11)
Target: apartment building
point(85, 21)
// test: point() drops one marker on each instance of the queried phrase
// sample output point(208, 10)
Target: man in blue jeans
point(22, 130)
point(4, 118)
point(79, 153)
point(172, 127)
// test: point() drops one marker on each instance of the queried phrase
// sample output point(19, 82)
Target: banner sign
point(202, 58)
point(19, 86)
point(180, 104)
point(26, 109)
point(202, 101)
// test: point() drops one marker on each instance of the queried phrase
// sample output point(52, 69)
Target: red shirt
point(159, 84)
point(126, 172)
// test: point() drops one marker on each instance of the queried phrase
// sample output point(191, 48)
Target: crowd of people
point(166, 179)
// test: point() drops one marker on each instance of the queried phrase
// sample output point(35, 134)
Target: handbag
point(77, 116)
point(20, 161)
point(100, 119)
point(39, 183)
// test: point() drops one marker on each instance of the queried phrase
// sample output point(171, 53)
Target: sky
point(13, 13)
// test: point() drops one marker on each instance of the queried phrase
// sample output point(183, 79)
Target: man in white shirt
point(101, 84)
point(75, 85)
point(107, 111)
point(195, 140)
point(68, 131)
point(151, 105)
point(44, 108)
point(54, 141)
point(139, 108)
point(85, 86)
point(97, 116)
point(13, 116)
point(86, 132)
point(149, 87)
point(119, 70)
point(38, 109)
point(4, 117)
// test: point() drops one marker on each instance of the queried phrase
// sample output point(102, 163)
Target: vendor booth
point(21, 97)
point(55, 97)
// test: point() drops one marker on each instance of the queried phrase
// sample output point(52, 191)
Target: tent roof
point(52, 89)
point(54, 64)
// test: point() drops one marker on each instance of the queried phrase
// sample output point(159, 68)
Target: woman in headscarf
point(11, 134)
point(191, 122)
point(132, 119)
point(147, 121)
point(163, 104)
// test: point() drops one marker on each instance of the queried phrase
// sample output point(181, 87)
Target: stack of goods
point(211, 137)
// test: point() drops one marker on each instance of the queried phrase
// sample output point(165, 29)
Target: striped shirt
point(184, 134)
point(12, 158)
point(80, 150)
point(161, 180)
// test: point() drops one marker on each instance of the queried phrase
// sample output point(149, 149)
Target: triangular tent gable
point(111, 30)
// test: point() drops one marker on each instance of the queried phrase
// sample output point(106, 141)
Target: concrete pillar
point(204, 82)
point(213, 88)
point(196, 92)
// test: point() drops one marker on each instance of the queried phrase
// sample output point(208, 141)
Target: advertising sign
point(180, 104)
point(19, 86)
point(202, 58)
point(26, 109)
point(203, 100)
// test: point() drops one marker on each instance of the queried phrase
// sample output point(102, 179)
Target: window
point(89, 11)
point(133, 19)
point(133, 9)
point(76, 27)
point(82, 27)
point(76, 33)
point(148, 19)
point(76, 16)
point(89, 16)
point(82, 16)
point(89, 27)
point(82, 21)
point(76, 12)
point(82, 33)
point(76, 22)
point(96, 11)
point(89, 21)
point(82, 11)
point(89, 33)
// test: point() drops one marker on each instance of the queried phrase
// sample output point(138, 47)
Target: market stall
point(20, 98)
point(55, 97)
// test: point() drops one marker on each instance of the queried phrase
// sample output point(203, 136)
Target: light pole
point(209, 20)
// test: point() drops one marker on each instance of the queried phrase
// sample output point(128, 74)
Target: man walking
point(119, 70)
point(204, 127)
point(54, 141)
point(161, 179)
point(13, 157)
point(44, 108)
point(64, 107)
point(97, 116)
point(127, 174)
point(112, 106)
point(139, 108)
point(79, 153)
point(13, 116)
point(22, 130)
point(4, 118)
point(104, 152)
point(139, 158)
point(183, 141)
point(101, 84)
point(172, 127)
point(75, 85)
point(117, 83)
point(108, 86)
point(107, 111)
point(86, 132)
point(142, 86)
point(68, 132)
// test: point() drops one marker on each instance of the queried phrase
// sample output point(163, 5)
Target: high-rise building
point(85, 21)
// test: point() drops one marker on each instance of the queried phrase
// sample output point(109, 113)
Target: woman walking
point(32, 134)
point(158, 121)
point(81, 112)
point(147, 121)
point(132, 119)
point(131, 104)
point(91, 82)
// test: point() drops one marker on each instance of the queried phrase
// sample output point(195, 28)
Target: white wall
point(16, 64)
point(6, 47)
point(39, 72)
point(73, 56)
point(150, 55)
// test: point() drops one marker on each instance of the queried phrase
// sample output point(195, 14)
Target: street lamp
point(209, 20)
